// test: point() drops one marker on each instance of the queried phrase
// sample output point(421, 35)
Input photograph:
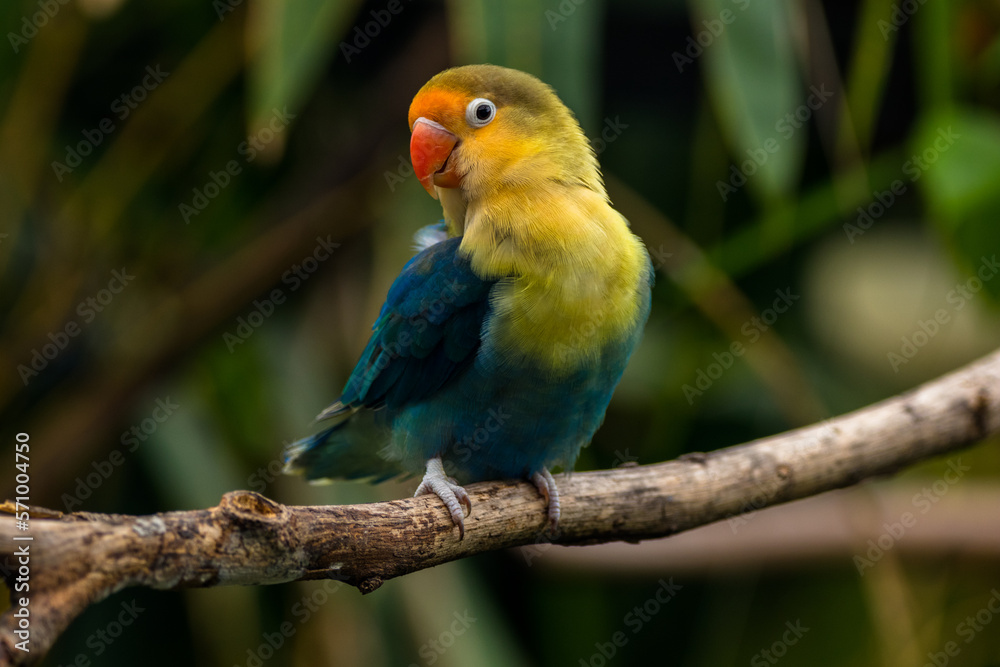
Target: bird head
point(481, 129)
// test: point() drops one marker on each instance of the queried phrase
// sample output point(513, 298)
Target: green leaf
point(956, 160)
point(291, 42)
point(959, 152)
point(752, 79)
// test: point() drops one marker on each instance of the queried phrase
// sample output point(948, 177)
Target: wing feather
point(428, 329)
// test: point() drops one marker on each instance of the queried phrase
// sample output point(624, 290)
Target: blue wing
point(428, 330)
point(429, 326)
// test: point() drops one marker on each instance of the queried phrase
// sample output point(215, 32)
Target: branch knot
point(248, 507)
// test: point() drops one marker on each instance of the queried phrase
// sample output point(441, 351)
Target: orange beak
point(430, 147)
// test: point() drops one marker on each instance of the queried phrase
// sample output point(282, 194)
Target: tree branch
point(77, 559)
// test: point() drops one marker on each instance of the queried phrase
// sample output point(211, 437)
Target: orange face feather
point(441, 105)
point(431, 143)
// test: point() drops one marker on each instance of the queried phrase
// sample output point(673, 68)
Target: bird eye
point(480, 112)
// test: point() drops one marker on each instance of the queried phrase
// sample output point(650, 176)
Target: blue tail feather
point(343, 451)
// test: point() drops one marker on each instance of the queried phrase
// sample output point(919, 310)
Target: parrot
point(501, 342)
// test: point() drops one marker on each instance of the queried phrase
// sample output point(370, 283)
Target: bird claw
point(546, 486)
point(448, 490)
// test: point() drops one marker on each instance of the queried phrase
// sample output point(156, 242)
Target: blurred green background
point(203, 204)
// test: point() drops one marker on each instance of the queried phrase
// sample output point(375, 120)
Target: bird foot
point(546, 486)
point(448, 490)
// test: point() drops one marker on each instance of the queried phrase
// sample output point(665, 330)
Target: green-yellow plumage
point(533, 205)
point(517, 331)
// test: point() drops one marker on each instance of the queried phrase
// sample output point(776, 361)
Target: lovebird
point(500, 343)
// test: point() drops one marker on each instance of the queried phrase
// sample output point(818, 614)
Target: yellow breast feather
point(573, 274)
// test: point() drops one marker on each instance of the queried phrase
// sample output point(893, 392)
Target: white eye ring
point(480, 112)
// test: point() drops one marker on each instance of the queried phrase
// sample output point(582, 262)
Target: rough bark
point(80, 558)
